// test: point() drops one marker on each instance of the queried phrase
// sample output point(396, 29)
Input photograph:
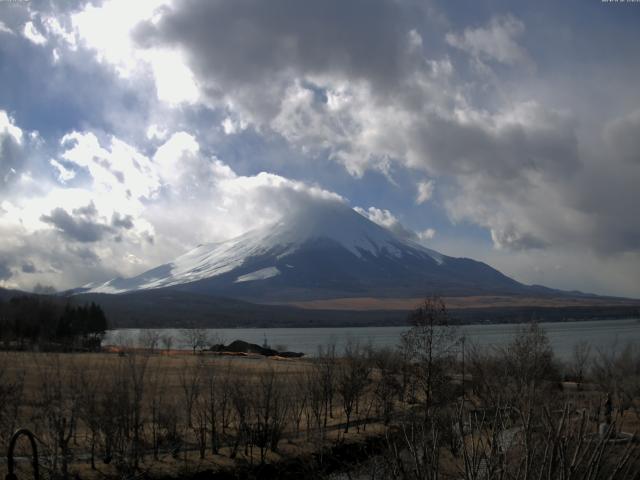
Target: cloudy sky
point(504, 131)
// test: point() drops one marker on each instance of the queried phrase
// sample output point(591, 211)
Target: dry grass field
point(453, 303)
point(172, 385)
point(168, 413)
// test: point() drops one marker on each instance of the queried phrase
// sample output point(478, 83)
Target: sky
point(507, 132)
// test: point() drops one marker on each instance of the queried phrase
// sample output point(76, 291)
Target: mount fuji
point(324, 251)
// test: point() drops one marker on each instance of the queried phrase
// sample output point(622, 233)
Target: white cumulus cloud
point(425, 191)
point(32, 34)
point(496, 41)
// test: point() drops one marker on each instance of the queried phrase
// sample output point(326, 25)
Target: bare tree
point(617, 371)
point(429, 351)
point(326, 366)
point(57, 402)
point(240, 399)
point(629, 365)
point(167, 341)
point(111, 411)
point(518, 374)
point(580, 358)
point(550, 441)
point(137, 368)
point(196, 338)
point(432, 347)
point(169, 425)
point(121, 412)
point(352, 379)
point(156, 403)
point(212, 400)
point(224, 404)
point(89, 400)
point(11, 395)
point(315, 412)
point(149, 339)
point(388, 387)
point(195, 407)
point(269, 407)
point(554, 445)
point(299, 401)
point(529, 363)
point(487, 375)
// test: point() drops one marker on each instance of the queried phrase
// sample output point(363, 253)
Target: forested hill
point(50, 322)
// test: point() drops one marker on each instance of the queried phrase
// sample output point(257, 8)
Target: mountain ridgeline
point(329, 251)
point(317, 255)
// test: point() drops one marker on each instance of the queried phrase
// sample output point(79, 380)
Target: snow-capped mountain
point(324, 251)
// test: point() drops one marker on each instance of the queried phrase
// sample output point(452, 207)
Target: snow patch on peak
point(333, 221)
point(436, 256)
point(261, 274)
point(339, 223)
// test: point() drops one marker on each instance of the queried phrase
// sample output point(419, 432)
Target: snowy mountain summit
point(323, 251)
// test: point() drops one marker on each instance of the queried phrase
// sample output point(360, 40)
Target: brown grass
point(490, 301)
point(171, 366)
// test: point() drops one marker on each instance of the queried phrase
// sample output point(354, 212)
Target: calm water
point(563, 336)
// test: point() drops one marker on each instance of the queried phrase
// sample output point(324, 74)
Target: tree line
point(45, 322)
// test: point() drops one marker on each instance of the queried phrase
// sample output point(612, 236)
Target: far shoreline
point(563, 335)
point(405, 325)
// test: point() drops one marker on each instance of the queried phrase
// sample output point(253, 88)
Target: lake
point(602, 334)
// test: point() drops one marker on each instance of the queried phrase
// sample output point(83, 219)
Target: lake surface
point(601, 334)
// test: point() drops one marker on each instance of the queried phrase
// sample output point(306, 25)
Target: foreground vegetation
point(435, 408)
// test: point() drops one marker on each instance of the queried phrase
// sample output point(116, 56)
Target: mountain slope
point(167, 307)
point(6, 294)
point(326, 251)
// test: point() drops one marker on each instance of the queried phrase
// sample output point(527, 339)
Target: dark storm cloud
point(85, 254)
point(623, 136)
point(28, 267)
point(44, 289)
point(256, 47)
point(250, 52)
point(88, 211)
point(79, 229)
point(250, 43)
point(43, 258)
point(607, 194)
point(547, 144)
point(255, 40)
point(122, 222)
point(5, 271)
point(82, 226)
